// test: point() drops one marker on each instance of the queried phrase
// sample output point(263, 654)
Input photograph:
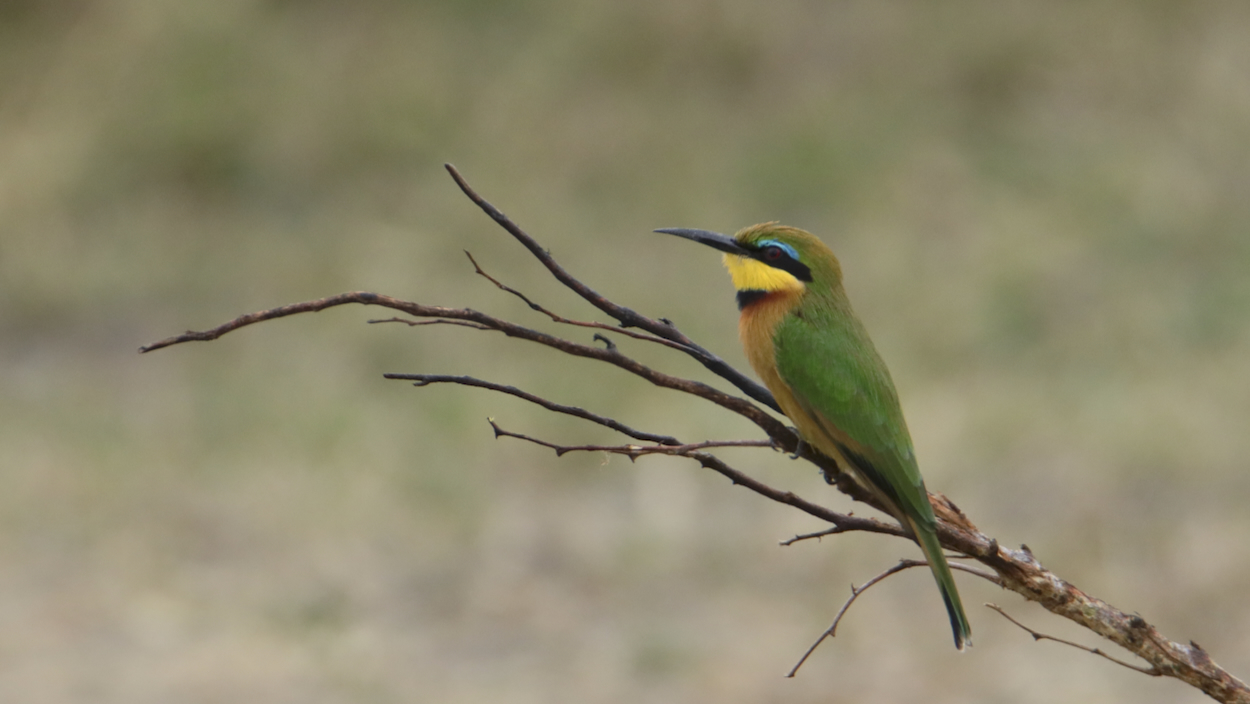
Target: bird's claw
point(798, 448)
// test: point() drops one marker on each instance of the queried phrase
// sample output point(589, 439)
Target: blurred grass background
point(1042, 212)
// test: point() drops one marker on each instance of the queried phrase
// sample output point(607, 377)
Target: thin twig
point(633, 452)
point(1152, 671)
point(436, 321)
point(259, 317)
point(809, 536)
point(628, 318)
point(714, 463)
point(774, 428)
point(832, 630)
point(427, 379)
point(856, 591)
point(569, 321)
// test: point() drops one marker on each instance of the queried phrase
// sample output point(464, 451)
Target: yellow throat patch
point(753, 275)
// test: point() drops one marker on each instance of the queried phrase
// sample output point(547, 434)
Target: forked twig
point(628, 318)
point(774, 428)
point(477, 269)
point(832, 630)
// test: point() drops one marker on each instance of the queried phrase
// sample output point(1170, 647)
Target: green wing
point(825, 357)
point(835, 373)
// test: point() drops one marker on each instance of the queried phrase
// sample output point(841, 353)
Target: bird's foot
point(798, 448)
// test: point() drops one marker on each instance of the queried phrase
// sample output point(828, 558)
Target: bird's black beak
point(714, 240)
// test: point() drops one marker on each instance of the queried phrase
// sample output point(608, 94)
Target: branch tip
point(1152, 670)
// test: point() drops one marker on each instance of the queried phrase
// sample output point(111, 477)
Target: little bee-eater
point(814, 355)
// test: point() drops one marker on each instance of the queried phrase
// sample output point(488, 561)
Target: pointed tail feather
point(946, 583)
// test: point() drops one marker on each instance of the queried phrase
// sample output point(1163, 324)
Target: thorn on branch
point(610, 345)
point(808, 536)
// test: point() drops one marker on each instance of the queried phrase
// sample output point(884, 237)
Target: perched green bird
point(814, 355)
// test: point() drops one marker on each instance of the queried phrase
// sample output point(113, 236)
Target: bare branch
point(774, 428)
point(1152, 671)
point(1020, 572)
point(477, 269)
point(633, 452)
point(261, 316)
point(843, 521)
point(418, 323)
point(809, 536)
point(856, 591)
point(427, 379)
point(1016, 570)
point(627, 318)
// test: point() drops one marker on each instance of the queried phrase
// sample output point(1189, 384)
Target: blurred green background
point(1042, 210)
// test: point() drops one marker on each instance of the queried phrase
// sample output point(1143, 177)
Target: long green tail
point(946, 583)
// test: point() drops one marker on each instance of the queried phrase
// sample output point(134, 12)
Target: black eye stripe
point(778, 258)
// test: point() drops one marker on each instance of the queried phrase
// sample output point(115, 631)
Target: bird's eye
point(773, 253)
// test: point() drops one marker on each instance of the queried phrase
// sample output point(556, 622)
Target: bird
point(812, 352)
